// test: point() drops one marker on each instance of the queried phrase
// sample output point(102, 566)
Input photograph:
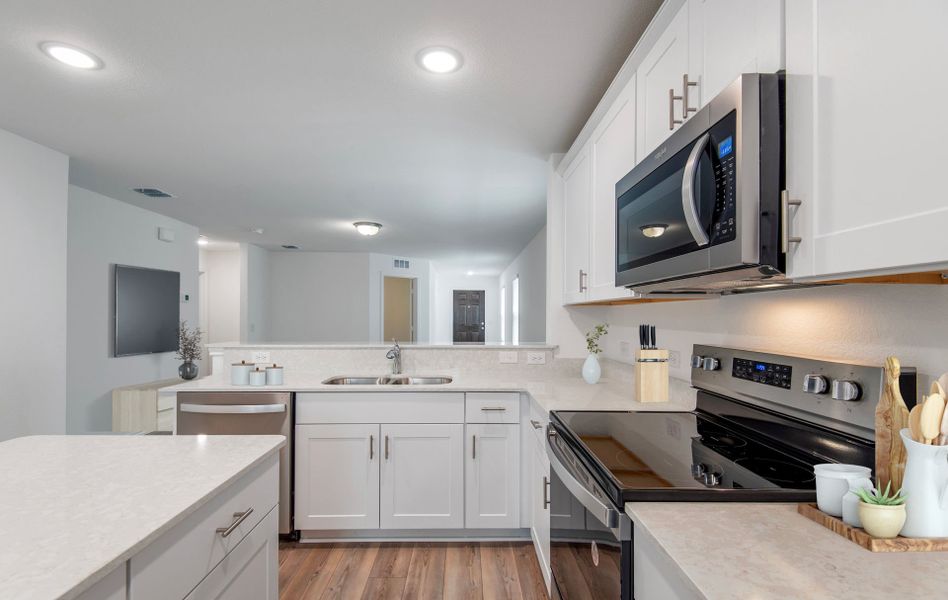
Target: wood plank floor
point(410, 571)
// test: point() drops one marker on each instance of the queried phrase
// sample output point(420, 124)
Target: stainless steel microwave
point(703, 212)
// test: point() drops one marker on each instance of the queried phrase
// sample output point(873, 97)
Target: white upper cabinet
point(613, 155)
point(730, 37)
point(577, 188)
point(866, 136)
point(660, 77)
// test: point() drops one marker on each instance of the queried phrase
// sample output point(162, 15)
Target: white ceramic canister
point(832, 484)
point(591, 369)
point(258, 377)
point(240, 373)
point(925, 487)
point(851, 500)
point(274, 375)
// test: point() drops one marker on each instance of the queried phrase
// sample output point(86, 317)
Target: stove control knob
point(696, 361)
point(846, 390)
point(711, 479)
point(814, 384)
point(710, 363)
point(697, 470)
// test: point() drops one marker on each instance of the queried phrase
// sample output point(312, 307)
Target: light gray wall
point(104, 232)
point(254, 293)
point(319, 296)
point(33, 191)
point(530, 265)
point(222, 270)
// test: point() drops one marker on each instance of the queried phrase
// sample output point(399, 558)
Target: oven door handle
point(605, 513)
point(232, 409)
point(688, 202)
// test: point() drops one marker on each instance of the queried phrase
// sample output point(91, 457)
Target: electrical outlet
point(674, 359)
point(536, 358)
point(508, 358)
point(259, 356)
point(625, 349)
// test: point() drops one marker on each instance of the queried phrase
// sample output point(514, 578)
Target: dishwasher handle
point(232, 409)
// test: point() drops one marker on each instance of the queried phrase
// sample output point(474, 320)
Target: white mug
point(832, 484)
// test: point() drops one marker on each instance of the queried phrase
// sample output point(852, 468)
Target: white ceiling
point(301, 116)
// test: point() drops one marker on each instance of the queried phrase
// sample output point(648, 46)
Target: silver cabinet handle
point(238, 519)
point(232, 409)
point(536, 424)
point(494, 408)
point(546, 492)
point(688, 202)
point(386, 447)
point(474, 447)
point(685, 84)
point(672, 121)
point(582, 281)
point(786, 239)
point(371, 447)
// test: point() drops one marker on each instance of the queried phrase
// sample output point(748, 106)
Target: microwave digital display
point(725, 147)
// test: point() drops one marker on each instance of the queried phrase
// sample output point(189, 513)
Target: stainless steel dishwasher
point(244, 413)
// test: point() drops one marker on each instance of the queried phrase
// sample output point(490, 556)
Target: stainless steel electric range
point(762, 421)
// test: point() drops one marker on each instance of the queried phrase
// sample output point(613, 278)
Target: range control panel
point(762, 372)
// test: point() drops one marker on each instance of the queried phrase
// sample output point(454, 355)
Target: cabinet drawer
point(380, 407)
point(492, 407)
point(173, 564)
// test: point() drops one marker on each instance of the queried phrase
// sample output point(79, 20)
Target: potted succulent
point(189, 350)
point(591, 369)
point(882, 513)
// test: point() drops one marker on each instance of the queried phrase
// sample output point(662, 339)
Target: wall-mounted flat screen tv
point(147, 310)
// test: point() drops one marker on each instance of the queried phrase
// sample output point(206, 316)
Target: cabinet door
point(492, 476)
point(250, 571)
point(865, 136)
point(576, 198)
point(422, 477)
point(540, 508)
point(110, 587)
point(730, 37)
point(337, 476)
point(662, 69)
point(613, 155)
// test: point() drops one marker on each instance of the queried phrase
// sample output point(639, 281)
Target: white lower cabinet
point(492, 476)
point(656, 577)
point(110, 587)
point(540, 509)
point(337, 476)
point(422, 482)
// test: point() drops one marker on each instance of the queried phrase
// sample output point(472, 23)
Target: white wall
point(448, 280)
point(33, 192)
point(104, 232)
point(530, 266)
point(223, 283)
point(381, 266)
point(254, 293)
point(319, 296)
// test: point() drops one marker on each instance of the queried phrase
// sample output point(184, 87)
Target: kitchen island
point(82, 515)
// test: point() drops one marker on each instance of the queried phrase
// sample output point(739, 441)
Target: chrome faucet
point(395, 355)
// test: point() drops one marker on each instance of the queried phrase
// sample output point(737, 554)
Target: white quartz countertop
point(551, 392)
point(72, 508)
point(763, 551)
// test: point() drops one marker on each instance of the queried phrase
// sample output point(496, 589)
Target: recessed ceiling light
point(470, 273)
point(72, 56)
point(440, 59)
point(367, 227)
point(203, 241)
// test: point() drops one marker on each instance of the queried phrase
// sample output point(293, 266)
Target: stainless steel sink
point(388, 380)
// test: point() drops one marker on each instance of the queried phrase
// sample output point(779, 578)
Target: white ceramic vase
point(591, 369)
point(925, 487)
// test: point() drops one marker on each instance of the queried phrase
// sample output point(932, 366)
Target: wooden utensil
point(943, 438)
point(930, 419)
point(937, 388)
point(915, 423)
point(891, 416)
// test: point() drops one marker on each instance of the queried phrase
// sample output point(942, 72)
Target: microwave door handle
point(688, 202)
point(232, 409)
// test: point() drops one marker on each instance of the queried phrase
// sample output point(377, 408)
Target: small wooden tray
point(859, 536)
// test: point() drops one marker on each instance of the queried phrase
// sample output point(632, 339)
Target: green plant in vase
point(882, 512)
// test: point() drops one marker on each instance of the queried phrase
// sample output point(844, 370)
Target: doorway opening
point(468, 316)
point(400, 312)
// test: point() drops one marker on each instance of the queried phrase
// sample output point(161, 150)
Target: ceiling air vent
point(153, 192)
point(290, 247)
point(401, 263)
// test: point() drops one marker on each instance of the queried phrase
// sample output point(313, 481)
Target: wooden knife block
point(651, 375)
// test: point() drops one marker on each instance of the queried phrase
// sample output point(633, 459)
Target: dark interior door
point(468, 316)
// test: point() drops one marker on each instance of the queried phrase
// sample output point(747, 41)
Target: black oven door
point(590, 538)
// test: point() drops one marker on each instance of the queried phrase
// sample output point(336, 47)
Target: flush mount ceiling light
point(439, 59)
point(367, 227)
point(72, 56)
point(203, 241)
point(653, 231)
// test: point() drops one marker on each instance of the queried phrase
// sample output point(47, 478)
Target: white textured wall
point(222, 270)
point(254, 293)
point(33, 191)
point(104, 232)
point(446, 281)
point(319, 297)
point(530, 265)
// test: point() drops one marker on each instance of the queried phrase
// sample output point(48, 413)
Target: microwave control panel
point(723, 150)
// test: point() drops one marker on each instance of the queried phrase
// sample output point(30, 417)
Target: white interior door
point(422, 482)
point(492, 476)
point(337, 477)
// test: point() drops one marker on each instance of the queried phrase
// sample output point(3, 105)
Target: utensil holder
point(651, 375)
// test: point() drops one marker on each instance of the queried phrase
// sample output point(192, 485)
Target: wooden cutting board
point(891, 417)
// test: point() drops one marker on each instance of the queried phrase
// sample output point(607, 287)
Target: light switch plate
point(508, 358)
point(259, 356)
point(536, 358)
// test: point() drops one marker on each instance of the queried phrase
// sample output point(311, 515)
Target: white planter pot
point(883, 522)
point(591, 369)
